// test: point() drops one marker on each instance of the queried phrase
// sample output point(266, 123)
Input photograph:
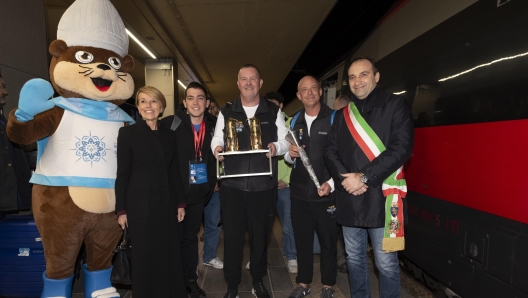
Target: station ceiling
point(211, 39)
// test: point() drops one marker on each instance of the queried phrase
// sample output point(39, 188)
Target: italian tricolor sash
point(394, 187)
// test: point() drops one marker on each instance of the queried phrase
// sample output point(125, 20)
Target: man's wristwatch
point(363, 178)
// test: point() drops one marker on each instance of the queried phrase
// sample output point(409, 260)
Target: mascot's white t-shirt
point(81, 152)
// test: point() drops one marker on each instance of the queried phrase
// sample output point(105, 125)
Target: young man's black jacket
point(185, 152)
point(301, 185)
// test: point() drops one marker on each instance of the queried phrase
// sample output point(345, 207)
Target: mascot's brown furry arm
point(73, 192)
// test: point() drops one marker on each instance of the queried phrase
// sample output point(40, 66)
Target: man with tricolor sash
point(370, 141)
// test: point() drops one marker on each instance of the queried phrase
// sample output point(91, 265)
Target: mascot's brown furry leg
point(62, 234)
point(57, 220)
point(101, 240)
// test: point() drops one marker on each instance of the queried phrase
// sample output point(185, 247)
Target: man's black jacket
point(301, 185)
point(252, 163)
point(15, 189)
point(390, 118)
point(185, 152)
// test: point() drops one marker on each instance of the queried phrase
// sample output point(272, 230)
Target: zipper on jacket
point(247, 178)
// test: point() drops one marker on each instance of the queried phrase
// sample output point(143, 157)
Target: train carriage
point(463, 67)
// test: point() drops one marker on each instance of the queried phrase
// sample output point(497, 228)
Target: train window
point(330, 89)
point(471, 68)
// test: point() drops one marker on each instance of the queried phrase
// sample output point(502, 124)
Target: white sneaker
point(247, 265)
point(292, 266)
point(215, 263)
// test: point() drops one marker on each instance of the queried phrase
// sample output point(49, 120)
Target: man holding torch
point(312, 205)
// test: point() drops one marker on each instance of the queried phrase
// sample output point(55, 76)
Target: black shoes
point(327, 293)
point(300, 292)
point(232, 292)
point(194, 290)
point(259, 290)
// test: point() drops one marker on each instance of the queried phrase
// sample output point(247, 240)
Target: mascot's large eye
point(84, 57)
point(114, 62)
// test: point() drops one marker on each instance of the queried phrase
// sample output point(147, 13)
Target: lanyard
point(199, 139)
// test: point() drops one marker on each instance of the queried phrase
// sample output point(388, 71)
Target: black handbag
point(122, 265)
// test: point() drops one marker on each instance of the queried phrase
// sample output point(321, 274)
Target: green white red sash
point(394, 187)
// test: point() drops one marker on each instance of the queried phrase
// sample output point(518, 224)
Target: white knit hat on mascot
point(93, 23)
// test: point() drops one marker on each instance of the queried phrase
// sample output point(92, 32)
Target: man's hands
point(181, 214)
point(217, 150)
point(217, 188)
point(282, 185)
point(273, 150)
point(294, 151)
point(353, 185)
point(324, 190)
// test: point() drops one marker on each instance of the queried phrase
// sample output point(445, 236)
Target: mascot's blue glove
point(34, 99)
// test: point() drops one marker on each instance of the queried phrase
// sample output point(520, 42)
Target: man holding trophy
point(312, 202)
point(248, 200)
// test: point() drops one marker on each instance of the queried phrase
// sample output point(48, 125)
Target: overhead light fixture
point(483, 65)
point(140, 44)
point(398, 93)
point(182, 84)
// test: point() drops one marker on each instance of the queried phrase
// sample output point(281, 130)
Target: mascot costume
point(73, 191)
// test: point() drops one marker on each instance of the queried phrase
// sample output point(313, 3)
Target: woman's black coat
point(146, 187)
point(194, 193)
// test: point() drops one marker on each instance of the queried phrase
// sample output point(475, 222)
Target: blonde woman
point(147, 202)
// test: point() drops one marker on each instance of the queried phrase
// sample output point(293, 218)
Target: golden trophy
point(231, 135)
point(254, 133)
point(231, 147)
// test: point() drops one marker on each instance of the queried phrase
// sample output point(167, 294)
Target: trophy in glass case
point(231, 143)
point(232, 148)
point(255, 134)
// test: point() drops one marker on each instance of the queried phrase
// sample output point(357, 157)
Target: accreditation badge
point(197, 172)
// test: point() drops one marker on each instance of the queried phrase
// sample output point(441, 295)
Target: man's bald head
point(309, 92)
point(306, 79)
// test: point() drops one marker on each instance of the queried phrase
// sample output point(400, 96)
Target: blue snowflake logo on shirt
point(91, 148)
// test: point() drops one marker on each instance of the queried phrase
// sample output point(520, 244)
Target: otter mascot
point(73, 191)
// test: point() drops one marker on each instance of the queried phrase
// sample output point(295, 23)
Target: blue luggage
point(21, 257)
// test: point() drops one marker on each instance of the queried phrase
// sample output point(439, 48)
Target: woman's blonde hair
point(152, 92)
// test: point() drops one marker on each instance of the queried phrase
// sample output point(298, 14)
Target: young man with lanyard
point(194, 131)
point(312, 208)
point(370, 141)
point(248, 203)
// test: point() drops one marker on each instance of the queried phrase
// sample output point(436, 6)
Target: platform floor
point(279, 281)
